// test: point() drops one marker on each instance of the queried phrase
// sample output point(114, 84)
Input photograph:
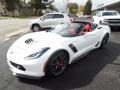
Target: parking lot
point(100, 70)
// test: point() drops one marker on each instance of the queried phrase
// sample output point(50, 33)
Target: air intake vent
point(28, 41)
point(73, 48)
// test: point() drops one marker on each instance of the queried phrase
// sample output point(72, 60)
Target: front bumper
point(112, 24)
point(29, 69)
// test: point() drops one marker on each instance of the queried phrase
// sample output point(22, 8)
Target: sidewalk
point(7, 36)
point(12, 27)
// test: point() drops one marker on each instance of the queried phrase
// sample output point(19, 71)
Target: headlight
point(37, 54)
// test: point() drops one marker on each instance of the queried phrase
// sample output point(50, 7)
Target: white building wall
point(96, 4)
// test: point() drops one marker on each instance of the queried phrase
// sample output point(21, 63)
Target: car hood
point(112, 17)
point(31, 43)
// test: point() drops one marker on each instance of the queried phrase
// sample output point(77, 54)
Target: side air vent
point(73, 48)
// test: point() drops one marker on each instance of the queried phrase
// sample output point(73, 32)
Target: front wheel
point(104, 41)
point(57, 64)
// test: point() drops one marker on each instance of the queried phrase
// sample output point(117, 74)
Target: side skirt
point(80, 57)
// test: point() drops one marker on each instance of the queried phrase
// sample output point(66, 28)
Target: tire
point(36, 28)
point(104, 41)
point(57, 64)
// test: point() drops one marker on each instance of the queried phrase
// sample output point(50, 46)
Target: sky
point(61, 4)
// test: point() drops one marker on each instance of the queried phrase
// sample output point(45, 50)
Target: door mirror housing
point(42, 19)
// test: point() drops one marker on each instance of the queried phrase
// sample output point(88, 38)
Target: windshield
point(109, 13)
point(68, 30)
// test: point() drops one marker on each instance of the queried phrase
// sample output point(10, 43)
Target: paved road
point(100, 70)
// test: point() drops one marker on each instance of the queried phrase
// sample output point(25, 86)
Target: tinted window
point(58, 16)
point(109, 13)
point(48, 16)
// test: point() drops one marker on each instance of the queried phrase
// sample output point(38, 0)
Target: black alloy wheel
point(57, 64)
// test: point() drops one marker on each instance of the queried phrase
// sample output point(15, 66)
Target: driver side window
point(48, 16)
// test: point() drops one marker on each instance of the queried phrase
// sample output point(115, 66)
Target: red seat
point(87, 28)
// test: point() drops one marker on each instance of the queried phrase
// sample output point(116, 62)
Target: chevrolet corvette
point(49, 52)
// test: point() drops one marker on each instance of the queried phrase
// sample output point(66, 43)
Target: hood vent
point(28, 41)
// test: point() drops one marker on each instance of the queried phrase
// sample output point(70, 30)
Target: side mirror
point(42, 19)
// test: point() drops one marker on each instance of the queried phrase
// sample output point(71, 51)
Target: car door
point(92, 39)
point(85, 43)
point(58, 18)
point(47, 21)
point(78, 46)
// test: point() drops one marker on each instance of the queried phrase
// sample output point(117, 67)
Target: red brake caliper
point(61, 61)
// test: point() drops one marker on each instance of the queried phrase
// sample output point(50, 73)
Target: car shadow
point(82, 72)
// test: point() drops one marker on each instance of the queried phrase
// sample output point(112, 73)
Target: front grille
point(17, 66)
point(112, 21)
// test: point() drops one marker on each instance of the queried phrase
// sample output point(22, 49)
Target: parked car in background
point(108, 17)
point(50, 20)
point(49, 52)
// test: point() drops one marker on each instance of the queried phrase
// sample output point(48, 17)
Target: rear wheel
point(57, 64)
point(36, 28)
point(104, 41)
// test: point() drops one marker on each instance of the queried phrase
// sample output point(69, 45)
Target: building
point(98, 5)
point(3, 9)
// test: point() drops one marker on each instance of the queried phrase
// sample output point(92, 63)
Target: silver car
point(50, 20)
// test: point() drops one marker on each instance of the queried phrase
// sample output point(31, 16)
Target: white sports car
point(49, 52)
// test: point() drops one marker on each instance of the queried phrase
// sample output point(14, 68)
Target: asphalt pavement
point(100, 70)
